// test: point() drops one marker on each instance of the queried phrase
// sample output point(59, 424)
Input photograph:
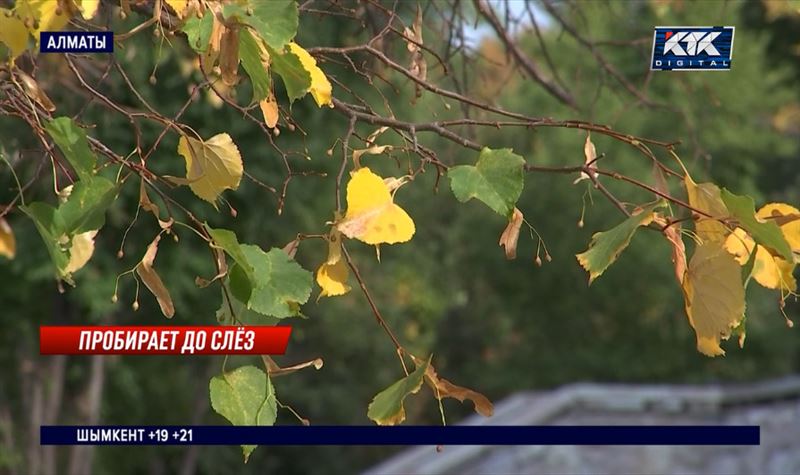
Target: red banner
point(163, 340)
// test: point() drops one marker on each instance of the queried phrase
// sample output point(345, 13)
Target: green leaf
point(198, 31)
point(245, 397)
point(250, 55)
point(767, 234)
point(291, 70)
point(244, 315)
point(606, 246)
point(226, 239)
point(86, 206)
point(497, 180)
point(386, 407)
point(275, 21)
point(71, 139)
point(51, 227)
point(279, 285)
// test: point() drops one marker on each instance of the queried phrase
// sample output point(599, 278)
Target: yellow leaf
point(178, 5)
point(706, 197)
point(152, 281)
point(372, 217)
point(673, 235)
point(510, 234)
point(8, 245)
point(89, 8)
point(320, 88)
point(269, 108)
point(787, 218)
point(714, 295)
point(332, 279)
point(769, 271)
point(212, 166)
point(80, 251)
point(34, 91)
point(13, 33)
point(45, 15)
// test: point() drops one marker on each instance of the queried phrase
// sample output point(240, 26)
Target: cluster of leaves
point(734, 242)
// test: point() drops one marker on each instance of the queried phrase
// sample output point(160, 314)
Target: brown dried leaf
point(443, 388)
point(229, 56)
point(152, 281)
point(276, 370)
point(673, 235)
point(35, 92)
point(269, 108)
point(590, 157)
point(510, 234)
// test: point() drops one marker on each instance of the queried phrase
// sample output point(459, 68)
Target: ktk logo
point(696, 43)
point(692, 48)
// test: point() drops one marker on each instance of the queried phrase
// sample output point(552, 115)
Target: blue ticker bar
point(400, 435)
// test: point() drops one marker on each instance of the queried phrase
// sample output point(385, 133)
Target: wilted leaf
point(72, 141)
point(714, 296)
point(80, 251)
point(386, 408)
point(144, 201)
point(13, 33)
point(332, 279)
point(152, 281)
point(269, 109)
point(372, 217)
point(767, 234)
point(443, 388)
point(590, 158)
point(706, 197)
point(34, 91)
point(229, 55)
point(496, 179)
point(245, 397)
point(275, 370)
point(212, 166)
point(177, 5)
point(510, 234)
point(372, 150)
point(278, 286)
point(320, 87)
point(606, 246)
point(8, 245)
point(255, 61)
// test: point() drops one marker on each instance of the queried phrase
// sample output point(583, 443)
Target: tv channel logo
point(76, 42)
point(692, 48)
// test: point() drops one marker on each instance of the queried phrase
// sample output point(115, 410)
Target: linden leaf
point(510, 234)
point(178, 6)
point(34, 91)
point(245, 397)
point(767, 234)
point(8, 245)
point(497, 180)
point(606, 246)
point(89, 8)
point(787, 218)
point(85, 208)
point(255, 61)
point(320, 88)
point(198, 31)
point(443, 388)
point(714, 296)
point(73, 143)
point(80, 251)
point(278, 286)
point(212, 166)
point(235, 312)
point(706, 197)
point(275, 21)
point(228, 242)
point(386, 408)
point(289, 67)
point(13, 33)
point(50, 225)
point(372, 217)
point(45, 15)
point(770, 271)
point(152, 281)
